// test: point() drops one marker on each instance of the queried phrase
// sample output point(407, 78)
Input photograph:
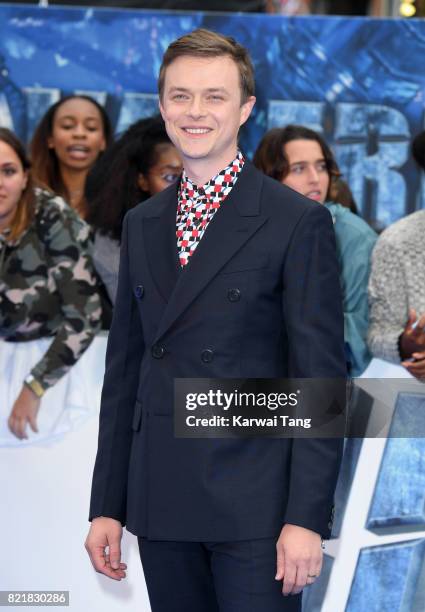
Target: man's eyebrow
point(222, 89)
point(209, 89)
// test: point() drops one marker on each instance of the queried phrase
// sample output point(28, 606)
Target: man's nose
point(196, 108)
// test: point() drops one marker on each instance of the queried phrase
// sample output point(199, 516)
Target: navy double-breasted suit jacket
point(259, 298)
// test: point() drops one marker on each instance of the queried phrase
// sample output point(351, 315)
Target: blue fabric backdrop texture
point(359, 81)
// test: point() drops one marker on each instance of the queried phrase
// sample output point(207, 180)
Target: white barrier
point(45, 490)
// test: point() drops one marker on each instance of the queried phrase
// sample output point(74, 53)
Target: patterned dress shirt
point(198, 205)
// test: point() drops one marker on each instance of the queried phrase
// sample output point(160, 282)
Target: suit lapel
point(232, 226)
point(159, 234)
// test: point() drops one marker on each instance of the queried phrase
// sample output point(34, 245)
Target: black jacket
point(278, 249)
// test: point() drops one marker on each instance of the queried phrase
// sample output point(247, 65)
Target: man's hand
point(24, 412)
point(106, 532)
point(299, 558)
point(413, 337)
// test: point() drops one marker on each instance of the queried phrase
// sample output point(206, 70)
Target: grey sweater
point(396, 283)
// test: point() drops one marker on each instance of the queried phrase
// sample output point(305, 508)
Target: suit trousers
point(214, 577)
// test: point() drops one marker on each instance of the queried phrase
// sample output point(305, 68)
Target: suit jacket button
point(207, 356)
point(234, 295)
point(158, 351)
point(139, 291)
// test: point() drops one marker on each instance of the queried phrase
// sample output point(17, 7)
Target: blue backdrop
point(359, 81)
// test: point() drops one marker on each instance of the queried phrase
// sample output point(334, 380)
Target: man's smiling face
point(201, 107)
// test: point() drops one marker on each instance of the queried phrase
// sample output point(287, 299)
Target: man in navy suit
point(227, 274)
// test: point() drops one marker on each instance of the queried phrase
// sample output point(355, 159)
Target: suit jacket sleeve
point(123, 358)
point(313, 313)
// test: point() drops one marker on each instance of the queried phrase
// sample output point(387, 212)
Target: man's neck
point(200, 171)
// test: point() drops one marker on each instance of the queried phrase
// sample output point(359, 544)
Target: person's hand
point(24, 412)
point(413, 337)
point(106, 532)
point(299, 558)
point(417, 366)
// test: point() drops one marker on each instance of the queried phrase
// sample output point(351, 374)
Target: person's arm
point(312, 304)
point(355, 256)
point(66, 243)
point(109, 487)
point(67, 246)
point(388, 302)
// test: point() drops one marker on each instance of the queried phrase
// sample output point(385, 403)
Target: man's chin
point(195, 152)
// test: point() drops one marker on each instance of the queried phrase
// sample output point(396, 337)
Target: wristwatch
point(34, 385)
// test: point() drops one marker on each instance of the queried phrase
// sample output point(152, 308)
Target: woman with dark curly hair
point(141, 163)
point(49, 306)
point(300, 158)
point(66, 144)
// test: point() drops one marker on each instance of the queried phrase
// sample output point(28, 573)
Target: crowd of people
point(61, 218)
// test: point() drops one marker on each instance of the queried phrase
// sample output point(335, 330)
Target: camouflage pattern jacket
point(48, 287)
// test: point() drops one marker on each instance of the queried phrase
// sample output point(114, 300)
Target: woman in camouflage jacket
point(47, 283)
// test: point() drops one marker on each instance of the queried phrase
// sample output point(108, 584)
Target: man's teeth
point(197, 130)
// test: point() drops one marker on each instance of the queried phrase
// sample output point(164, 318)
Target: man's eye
point(179, 97)
point(215, 98)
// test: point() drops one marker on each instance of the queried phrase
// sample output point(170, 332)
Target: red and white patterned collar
point(216, 189)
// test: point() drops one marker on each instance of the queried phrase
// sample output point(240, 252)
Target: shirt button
point(207, 356)
point(234, 295)
point(158, 351)
point(139, 291)
point(201, 191)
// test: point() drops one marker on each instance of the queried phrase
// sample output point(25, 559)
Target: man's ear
point(246, 109)
point(161, 109)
